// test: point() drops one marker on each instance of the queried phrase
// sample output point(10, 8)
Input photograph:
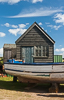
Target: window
point(41, 51)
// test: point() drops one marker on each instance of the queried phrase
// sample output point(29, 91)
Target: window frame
point(44, 51)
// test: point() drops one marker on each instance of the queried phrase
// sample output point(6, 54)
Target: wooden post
point(54, 88)
point(14, 79)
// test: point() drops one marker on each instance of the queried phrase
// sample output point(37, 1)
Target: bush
point(1, 61)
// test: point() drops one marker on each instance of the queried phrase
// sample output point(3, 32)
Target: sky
point(16, 16)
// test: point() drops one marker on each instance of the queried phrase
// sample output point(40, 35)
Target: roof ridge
point(35, 24)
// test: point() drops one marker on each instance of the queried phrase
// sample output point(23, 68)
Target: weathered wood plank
point(57, 75)
point(38, 79)
point(36, 68)
point(36, 38)
point(30, 68)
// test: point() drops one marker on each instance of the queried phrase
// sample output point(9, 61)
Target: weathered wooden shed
point(35, 45)
point(9, 51)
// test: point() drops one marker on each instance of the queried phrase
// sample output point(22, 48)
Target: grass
point(10, 90)
point(6, 79)
point(7, 83)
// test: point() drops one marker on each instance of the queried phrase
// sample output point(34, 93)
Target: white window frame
point(43, 52)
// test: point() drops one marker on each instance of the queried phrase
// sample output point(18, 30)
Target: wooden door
point(27, 53)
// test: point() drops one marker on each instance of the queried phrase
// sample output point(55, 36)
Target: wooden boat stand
point(54, 88)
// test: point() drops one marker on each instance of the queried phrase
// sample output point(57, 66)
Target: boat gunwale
point(62, 63)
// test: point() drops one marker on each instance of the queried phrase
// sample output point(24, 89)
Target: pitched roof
point(35, 24)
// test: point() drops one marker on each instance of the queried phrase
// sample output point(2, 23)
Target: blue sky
point(17, 15)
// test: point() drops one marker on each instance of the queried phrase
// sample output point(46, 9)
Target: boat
point(35, 72)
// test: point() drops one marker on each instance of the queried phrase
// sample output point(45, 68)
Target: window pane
point(39, 52)
point(47, 51)
point(39, 47)
point(43, 50)
point(36, 47)
point(36, 52)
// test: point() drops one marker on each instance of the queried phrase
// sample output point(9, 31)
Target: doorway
point(27, 54)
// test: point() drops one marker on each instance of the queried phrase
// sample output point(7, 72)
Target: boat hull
point(36, 73)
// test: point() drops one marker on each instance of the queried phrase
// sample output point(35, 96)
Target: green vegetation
point(6, 79)
point(7, 83)
point(1, 60)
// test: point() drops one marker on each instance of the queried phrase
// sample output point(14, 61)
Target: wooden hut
point(9, 51)
point(35, 45)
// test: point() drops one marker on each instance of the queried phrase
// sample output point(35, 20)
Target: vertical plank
point(23, 53)
point(27, 53)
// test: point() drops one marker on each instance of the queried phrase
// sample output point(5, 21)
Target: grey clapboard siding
point(9, 52)
point(35, 38)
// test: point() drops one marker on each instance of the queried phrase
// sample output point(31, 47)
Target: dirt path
point(37, 93)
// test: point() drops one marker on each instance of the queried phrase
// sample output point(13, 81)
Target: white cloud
point(40, 23)
point(45, 30)
point(47, 23)
point(37, 12)
point(7, 24)
point(17, 31)
point(10, 1)
point(59, 18)
point(62, 54)
point(2, 34)
point(1, 52)
point(14, 31)
point(21, 31)
point(22, 25)
point(59, 50)
point(54, 26)
point(14, 26)
point(27, 23)
point(34, 1)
